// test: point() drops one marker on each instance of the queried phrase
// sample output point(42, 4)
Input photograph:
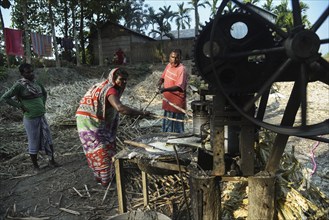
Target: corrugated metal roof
point(183, 34)
point(123, 27)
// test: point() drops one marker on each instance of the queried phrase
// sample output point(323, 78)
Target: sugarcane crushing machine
point(241, 54)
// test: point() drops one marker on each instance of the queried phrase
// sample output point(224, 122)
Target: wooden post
point(145, 189)
point(281, 140)
point(247, 141)
point(122, 203)
point(261, 197)
point(217, 123)
point(205, 196)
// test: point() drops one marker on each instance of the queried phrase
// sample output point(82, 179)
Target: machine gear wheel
point(244, 53)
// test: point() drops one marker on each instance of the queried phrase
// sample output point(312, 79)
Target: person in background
point(115, 59)
point(172, 84)
point(120, 56)
point(97, 121)
point(31, 98)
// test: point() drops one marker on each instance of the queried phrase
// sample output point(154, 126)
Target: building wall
point(150, 51)
point(138, 49)
point(112, 43)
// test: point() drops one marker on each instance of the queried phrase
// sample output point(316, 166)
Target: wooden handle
point(171, 119)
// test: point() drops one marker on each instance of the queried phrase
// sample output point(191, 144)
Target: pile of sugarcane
point(297, 197)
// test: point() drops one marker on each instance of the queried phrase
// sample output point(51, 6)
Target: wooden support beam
point(168, 166)
point(281, 140)
point(218, 120)
point(119, 173)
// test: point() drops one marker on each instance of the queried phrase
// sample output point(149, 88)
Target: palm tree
point(304, 7)
point(213, 8)
point(163, 28)
point(195, 5)
point(128, 11)
point(230, 7)
point(268, 5)
point(163, 21)
point(254, 2)
point(285, 17)
point(134, 15)
point(151, 17)
point(183, 18)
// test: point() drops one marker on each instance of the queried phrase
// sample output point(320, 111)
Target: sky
point(316, 7)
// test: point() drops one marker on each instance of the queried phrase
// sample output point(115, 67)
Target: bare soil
point(44, 195)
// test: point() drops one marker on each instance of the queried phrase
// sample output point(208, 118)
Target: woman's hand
point(146, 113)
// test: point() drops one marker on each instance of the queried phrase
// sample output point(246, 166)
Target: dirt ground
point(70, 192)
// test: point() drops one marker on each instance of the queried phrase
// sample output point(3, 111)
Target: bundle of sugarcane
point(164, 192)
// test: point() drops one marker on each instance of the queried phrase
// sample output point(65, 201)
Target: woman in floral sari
point(97, 121)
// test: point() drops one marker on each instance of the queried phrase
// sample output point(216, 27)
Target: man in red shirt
point(174, 81)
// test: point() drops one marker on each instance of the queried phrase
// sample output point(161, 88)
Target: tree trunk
point(82, 42)
point(100, 47)
point(26, 36)
point(66, 24)
point(196, 14)
point(58, 64)
point(75, 36)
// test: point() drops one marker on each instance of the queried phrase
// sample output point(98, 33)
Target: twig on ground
point(70, 211)
point(86, 187)
point(77, 192)
point(28, 218)
point(108, 187)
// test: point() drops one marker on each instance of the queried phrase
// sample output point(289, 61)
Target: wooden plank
point(168, 166)
point(233, 179)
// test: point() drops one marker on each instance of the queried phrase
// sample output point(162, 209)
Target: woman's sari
point(97, 123)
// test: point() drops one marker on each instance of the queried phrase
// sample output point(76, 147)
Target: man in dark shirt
point(31, 98)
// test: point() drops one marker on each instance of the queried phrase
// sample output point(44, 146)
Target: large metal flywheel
point(245, 53)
